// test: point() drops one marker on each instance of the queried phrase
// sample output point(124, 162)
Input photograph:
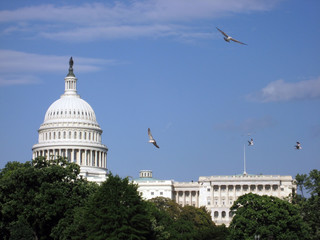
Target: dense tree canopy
point(310, 207)
point(267, 217)
point(177, 222)
point(116, 211)
point(35, 196)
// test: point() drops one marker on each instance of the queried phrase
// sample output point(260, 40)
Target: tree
point(35, 196)
point(310, 207)
point(267, 216)
point(116, 211)
point(176, 222)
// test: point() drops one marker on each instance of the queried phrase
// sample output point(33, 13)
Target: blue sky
point(162, 64)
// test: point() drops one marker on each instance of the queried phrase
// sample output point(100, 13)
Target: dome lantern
point(70, 81)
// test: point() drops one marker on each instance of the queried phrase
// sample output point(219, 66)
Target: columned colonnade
point(83, 157)
point(222, 197)
point(187, 197)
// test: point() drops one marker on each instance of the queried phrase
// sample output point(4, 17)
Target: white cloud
point(285, 91)
point(22, 68)
point(18, 80)
point(155, 18)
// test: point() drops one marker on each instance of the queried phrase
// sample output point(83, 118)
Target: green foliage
point(115, 212)
point(269, 217)
point(173, 221)
point(310, 207)
point(35, 196)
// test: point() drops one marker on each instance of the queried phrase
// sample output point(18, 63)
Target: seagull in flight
point(250, 142)
point(151, 139)
point(227, 38)
point(298, 146)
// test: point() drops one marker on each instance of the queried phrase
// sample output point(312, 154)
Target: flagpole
point(244, 160)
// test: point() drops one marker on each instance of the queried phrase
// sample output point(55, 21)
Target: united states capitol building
point(216, 193)
point(70, 129)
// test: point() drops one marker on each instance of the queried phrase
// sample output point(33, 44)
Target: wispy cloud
point(18, 80)
point(18, 68)
point(285, 91)
point(156, 18)
point(248, 125)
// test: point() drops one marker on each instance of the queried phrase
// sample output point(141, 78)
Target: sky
point(162, 64)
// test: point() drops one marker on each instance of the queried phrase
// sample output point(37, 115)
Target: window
point(216, 214)
point(208, 189)
point(161, 193)
point(223, 214)
point(152, 193)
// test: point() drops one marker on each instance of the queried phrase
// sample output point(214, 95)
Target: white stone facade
point(150, 188)
point(217, 193)
point(70, 130)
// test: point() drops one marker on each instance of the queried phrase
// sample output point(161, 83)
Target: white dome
point(70, 130)
point(70, 108)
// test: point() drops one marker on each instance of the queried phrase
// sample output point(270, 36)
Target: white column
point(219, 195)
point(72, 155)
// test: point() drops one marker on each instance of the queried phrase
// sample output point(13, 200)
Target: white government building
point(216, 193)
point(70, 129)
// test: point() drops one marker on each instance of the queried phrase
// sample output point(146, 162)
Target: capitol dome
point(70, 129)
point(70, 108)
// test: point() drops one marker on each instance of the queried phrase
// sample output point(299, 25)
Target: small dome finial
point(71, 68)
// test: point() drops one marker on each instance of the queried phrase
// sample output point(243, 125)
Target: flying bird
point(250, 142)
point(151, 139)
point(227, 38)
point(298, 146)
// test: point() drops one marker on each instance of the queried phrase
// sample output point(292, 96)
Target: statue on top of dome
point(71, 62)
point(71, 68)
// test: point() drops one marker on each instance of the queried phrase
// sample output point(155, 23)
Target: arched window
point(216, 214)
point(223, 214)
